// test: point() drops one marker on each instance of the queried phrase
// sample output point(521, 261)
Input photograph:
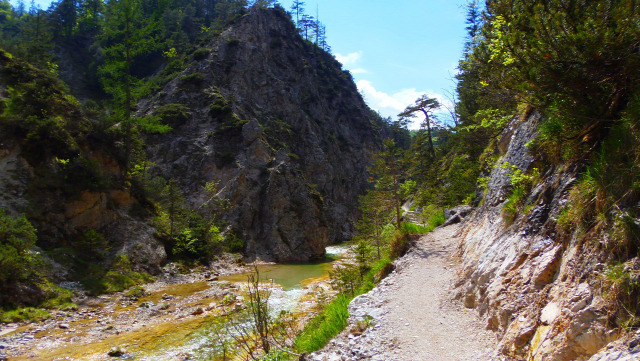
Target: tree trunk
point(428, 122)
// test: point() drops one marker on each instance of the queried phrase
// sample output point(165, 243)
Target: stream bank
point(171, 321)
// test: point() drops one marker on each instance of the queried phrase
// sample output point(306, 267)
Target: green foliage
point(24, 314)
point(220, 107)
point(39, 111)
point(564, 59)
point(387, 172)
point(92, 245)
point(233, 243)
point(362, 251)
point(620, 288)
point(333, 317)
point(56, 297)
point(325, 326)
point(461, 179)
point(191, 81)
point(191, 236)
point(119, 277)
point(173, 114)
point(276, 355)
point(407, 188)
point(492, 120)
point(521, 185)
point(201, 53)
point(190, 246)
point(136, 292)
point(18, 261)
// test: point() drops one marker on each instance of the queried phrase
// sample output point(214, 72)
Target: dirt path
point(414, 314)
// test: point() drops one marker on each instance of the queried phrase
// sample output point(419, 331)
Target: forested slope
point(195, 129)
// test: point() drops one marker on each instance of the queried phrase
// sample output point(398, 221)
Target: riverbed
point(175, 320)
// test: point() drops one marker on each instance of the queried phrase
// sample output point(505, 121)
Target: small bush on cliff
point(521, 184)
point(621, 289)
point(173, 114)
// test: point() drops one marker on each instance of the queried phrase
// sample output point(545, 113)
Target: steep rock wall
point(53, 171)
point(284, 130)
point(538, 292)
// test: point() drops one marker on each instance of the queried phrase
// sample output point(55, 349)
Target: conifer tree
point(388, 169)
point(426, 106)
point(297, 8)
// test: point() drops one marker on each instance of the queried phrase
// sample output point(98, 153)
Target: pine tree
point(37, 38)
point(388, 169)
point(426, 106)
point(297, 8)
point(126, 36)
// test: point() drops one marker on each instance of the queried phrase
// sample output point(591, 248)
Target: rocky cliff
point(281, 127)
point(542, 293)
point(58, 170)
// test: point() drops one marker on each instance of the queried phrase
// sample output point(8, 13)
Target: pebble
point(63, 326)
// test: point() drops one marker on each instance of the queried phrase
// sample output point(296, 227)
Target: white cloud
point(358, 71)
point(389, 105)
point(349, 59)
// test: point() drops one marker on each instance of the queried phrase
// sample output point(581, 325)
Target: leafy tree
point(264, 3)
point(578, 60)
point(362, 251)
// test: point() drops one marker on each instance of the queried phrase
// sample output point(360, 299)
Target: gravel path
point(414, 314)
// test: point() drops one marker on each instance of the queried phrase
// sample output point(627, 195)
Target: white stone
point(549, 313)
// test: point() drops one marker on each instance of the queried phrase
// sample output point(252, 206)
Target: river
point(173, 322)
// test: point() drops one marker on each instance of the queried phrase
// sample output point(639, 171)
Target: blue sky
point(396, 50)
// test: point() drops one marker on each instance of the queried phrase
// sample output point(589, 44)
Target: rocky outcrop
point(456, 214)
point(540, 292)
point(279, 125)
point(55, 170)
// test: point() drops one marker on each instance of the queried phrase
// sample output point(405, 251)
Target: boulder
point(456, 214)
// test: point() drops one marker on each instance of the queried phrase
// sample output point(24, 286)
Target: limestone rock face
point(529, 287)
point(280, 126)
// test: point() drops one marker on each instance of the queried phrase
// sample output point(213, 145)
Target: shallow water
point(195, 336)
point(293, 275)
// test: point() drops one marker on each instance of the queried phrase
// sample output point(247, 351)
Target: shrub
point(220, 107)
point(121, 276)
point(92, 245)
point(191, 81)
point(201, 53)
point(173, 114)
point(521, 184)
point(189, 246)
point(18, 262)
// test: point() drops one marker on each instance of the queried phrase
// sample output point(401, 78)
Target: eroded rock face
point(280, 126)
point(530, 287)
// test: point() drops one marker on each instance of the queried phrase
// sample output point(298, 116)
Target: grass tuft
point(325, 326)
